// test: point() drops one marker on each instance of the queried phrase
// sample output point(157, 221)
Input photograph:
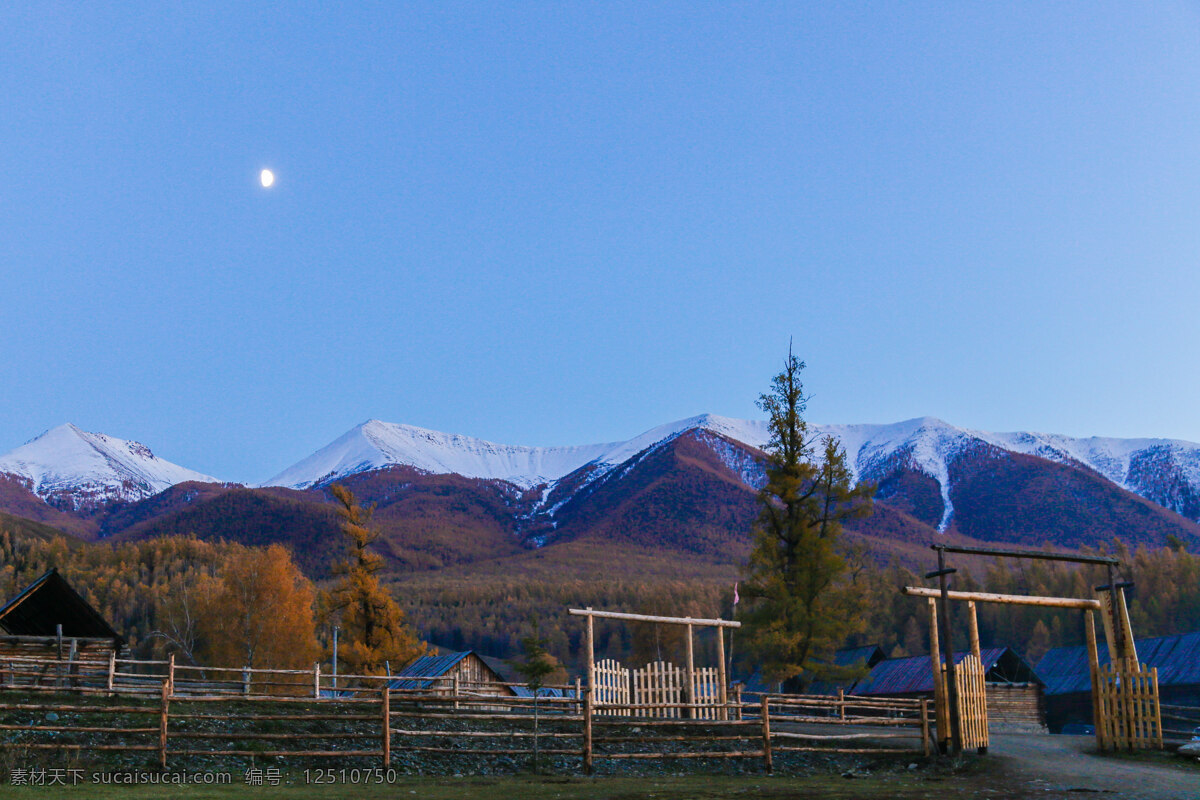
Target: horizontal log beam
point(1010, 599)
point(711, 623)
point(878, 750)
point(714, 754)
point(1040, 555)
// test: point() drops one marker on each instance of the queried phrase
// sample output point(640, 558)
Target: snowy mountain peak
point(1162, 470)
point(75, 467)
point(375, 444)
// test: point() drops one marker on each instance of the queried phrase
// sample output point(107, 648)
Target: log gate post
point(691, 675)
point(387, 727)
point(587, 732)
point(765, 711)
point(162, 723)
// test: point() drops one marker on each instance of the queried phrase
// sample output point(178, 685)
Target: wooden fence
point(377, 725)
point(129, 676)
point(843, 719)
point(1128, 713)
point(1180, 723)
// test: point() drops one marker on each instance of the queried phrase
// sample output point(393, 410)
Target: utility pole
point(948, 650)
point(335, 654)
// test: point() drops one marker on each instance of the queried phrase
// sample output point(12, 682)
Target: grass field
point(691, 787)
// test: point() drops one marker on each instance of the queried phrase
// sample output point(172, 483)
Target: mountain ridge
point(76, 472)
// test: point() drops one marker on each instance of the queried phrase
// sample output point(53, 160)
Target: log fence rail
point(215, 718)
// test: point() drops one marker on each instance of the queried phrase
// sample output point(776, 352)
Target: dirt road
point(1056, 765)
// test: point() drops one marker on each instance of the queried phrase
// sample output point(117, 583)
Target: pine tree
point(537, 667)
point(800, 605)
point(375, 632)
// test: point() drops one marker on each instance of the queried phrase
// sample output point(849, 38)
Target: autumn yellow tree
point(258, 612)
point(374, 631)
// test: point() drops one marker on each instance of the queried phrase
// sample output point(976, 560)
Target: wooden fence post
point(766, 733)
point(842, 704)
point(939, 681)
point(1089, 633)
point(925, 726)
point(973, 630)
point(246, 681)
point(58, 667)
point(316, 680)
point(171, 673)
point(1157, 710)
point(578, 696)
point(387, 728)
point(591, 653)
point(691, 675)
point(72, 667)
point(587, 732)
point(112, 668)
point(162, 724)
point(723, 689)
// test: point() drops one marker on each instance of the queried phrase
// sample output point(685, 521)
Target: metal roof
point(49, 602)
point(429, 667)
point(913, 675)
point(1065, 669)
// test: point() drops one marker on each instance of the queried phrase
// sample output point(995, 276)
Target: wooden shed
point(1015, 696)
point(441, 674)
point(49, 620)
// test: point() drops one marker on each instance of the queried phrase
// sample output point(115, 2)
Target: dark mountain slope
point(434, 521)
point(16, 499)
point(256, 517)
point(678, 496)
point(1006, 497)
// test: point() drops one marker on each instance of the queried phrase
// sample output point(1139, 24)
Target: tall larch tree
point(374, 631)
point(800, 605)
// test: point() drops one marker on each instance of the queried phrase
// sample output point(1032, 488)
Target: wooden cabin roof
point(914, 676)
point(421, 673)
point(49, 602)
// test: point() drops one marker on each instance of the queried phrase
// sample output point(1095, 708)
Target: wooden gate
point(658, 689)
point(706, 694)
point(1128, 715)
point(611, 687)
point(972, 702)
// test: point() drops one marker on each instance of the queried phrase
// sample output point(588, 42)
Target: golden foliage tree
point(374, 630)
point(258, 612)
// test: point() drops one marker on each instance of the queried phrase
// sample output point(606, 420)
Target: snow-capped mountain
point(72, 468)
point(1164, 471)
point(376, 444)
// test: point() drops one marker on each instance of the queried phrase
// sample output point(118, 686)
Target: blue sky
point(557, 223)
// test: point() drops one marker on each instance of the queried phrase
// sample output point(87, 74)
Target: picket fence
point(658, 689)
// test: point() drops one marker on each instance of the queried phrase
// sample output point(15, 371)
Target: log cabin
point(1015, 696)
